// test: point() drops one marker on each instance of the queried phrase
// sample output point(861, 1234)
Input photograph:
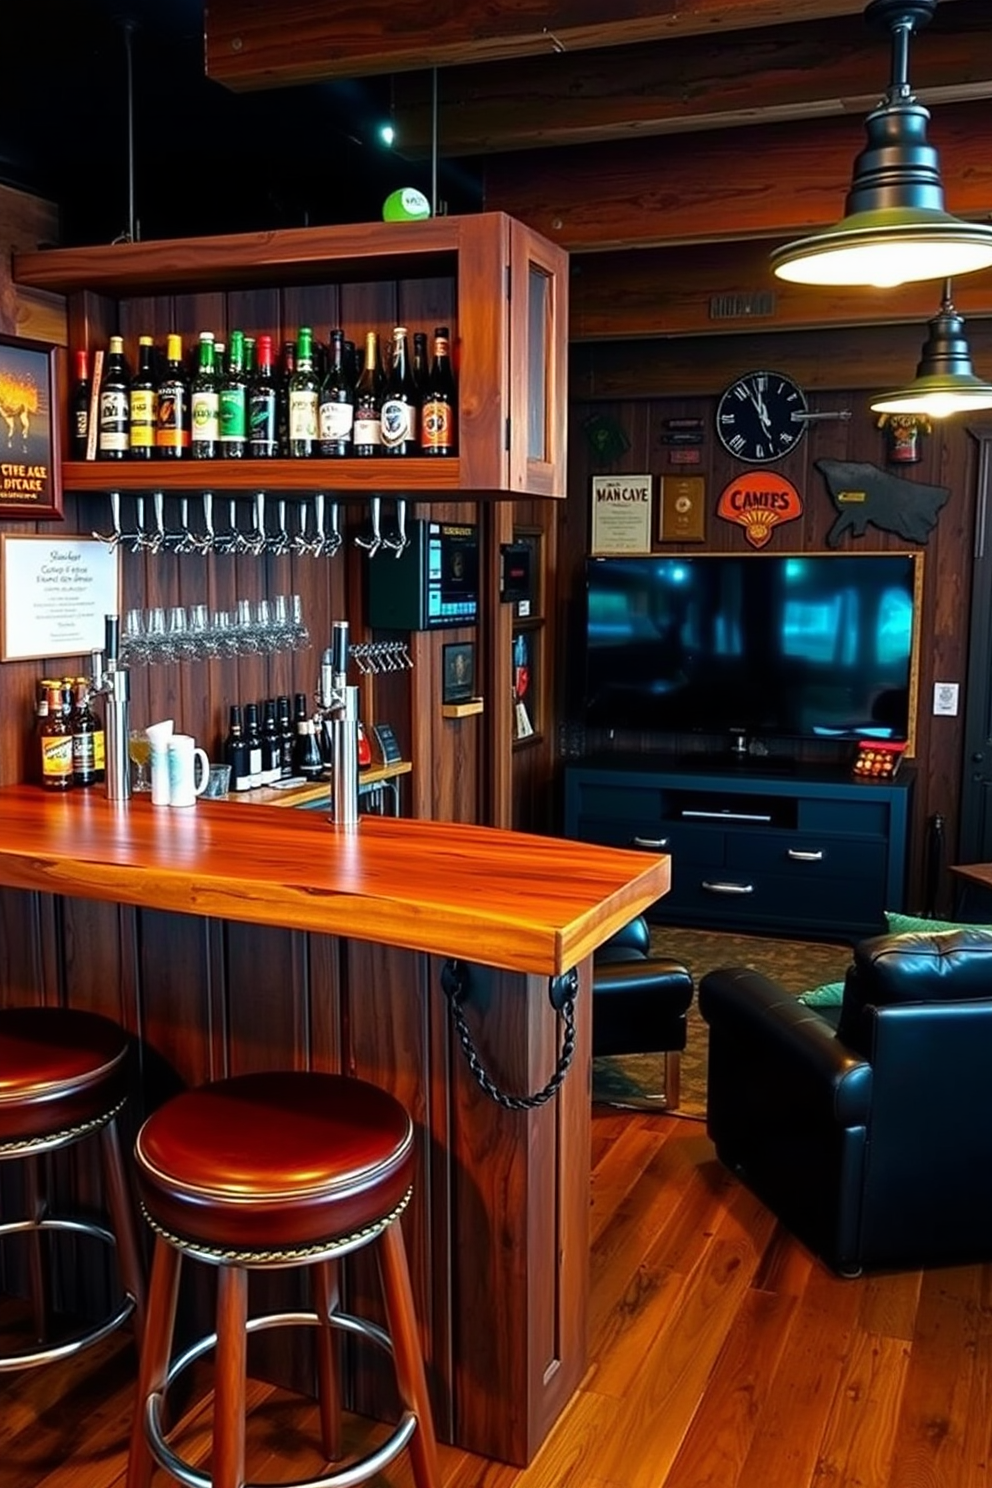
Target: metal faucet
point(338, 712)
point(112, 681)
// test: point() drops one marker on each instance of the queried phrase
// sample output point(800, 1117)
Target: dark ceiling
point(204, 159)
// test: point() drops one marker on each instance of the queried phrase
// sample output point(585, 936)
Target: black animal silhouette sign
point(863, 493)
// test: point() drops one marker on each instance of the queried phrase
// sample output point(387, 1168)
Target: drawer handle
point(653, 842)
point(798, 856)
point(727, 888)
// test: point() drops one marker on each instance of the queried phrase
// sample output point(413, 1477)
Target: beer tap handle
point(112, 641)
point(339, 647)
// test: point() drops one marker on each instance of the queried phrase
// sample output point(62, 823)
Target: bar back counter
point(227, 941)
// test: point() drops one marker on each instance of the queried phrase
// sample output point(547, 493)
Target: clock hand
point(759, 404)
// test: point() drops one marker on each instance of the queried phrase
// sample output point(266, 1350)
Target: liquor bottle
point(250, 344)
point(271, 752)
point(143, 404)
point(309, 761)
point(112, 442)
point(79, 407)
point(56, 740)
point(300, 743)
point(263, 442)
point(368, 402)
point(438, 413)
point(287, 737)
point(88, 745)
point(399, 406)
point(336, 410)
point(172, 434)
point(303, 394)
point(253, 738)
point(205, 403)
point(236, 752)
point(286, 369)
point(233, 401)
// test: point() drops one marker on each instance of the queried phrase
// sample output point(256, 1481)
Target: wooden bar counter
point(228, 939)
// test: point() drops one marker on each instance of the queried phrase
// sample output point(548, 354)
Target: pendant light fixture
point(945, 382)
point(895, 229)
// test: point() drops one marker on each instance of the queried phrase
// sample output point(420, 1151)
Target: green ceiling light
point(895, 229)
point(945, 382)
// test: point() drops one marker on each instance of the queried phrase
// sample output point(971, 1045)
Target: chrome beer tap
point(338, 713)
point(112, 681)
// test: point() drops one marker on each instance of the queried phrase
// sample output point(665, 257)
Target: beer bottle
point(236, 752)
point(421, 363)
point(303, 395)
point(79, 408)
point(368, 402)
point(172, 435)
point(233, 401)
point(112, 441)
point(56, 740)
point(438, 414)
point(336, 411)
point(88, 747)
point(399, 406)
point(205, 403)
point(143, 404)
point(263, 441)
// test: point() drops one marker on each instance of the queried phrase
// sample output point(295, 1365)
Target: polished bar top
point(505, 899)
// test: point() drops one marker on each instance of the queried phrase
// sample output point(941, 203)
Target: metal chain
point(456, 988)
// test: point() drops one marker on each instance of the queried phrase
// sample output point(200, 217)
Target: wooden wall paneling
point(21, 953)
point(182, 989)
point(26, 223)
point(266, 1022)
point(324, 1013)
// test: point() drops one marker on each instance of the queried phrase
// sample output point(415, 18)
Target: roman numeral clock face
point(761, 417)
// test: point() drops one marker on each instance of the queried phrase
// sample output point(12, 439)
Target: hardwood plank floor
point(723, 1356)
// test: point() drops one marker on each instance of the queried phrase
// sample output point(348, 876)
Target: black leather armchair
point(640, 1002)
point(872, 1143)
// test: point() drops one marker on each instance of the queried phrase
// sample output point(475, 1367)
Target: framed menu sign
point(56, 594)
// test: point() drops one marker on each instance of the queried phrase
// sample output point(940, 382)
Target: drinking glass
point(300, 634)
point(225, 635)
point(139, 752)
point(155, 635)
point(244, 621)
point(202, 637)
point(182, 645)
point(134, 649)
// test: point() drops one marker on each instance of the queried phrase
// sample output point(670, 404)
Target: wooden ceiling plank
point(787, 72)
point(253, 44)
point(766, 181)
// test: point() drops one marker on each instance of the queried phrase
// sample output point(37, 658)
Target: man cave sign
point(759, 501)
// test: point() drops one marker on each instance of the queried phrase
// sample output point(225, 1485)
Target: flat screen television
point(775, 645)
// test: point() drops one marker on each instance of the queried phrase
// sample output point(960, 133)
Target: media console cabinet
point(794, 850)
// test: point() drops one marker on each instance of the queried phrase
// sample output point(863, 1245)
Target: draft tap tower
point(112, 681)
point(338, 712)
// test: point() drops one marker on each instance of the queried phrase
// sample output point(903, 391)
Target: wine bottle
point(271, 752)
point(112, 440)
point(172, 435)
point(287, 737)
point(263, 442)
point(236, 752)
point(421, 363)
point(309, 760)
point(303, 395)
point(336, 411)
point(399, 406)
point(368, 402)
point(253, 738)
point(438, 413)
point(233, 401)
point(143, 404)
point(79, 407)
point(286, 370)
point(205, 403)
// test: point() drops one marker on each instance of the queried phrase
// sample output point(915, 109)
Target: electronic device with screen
point(776, 645)
point(432, 583)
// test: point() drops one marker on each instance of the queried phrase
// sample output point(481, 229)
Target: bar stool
point(63, 1077)
point(277, 1170)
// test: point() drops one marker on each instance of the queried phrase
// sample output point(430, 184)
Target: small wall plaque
point(683, 509)
point(621, 514)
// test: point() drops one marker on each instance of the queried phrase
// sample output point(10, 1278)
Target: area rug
point(638, 1080)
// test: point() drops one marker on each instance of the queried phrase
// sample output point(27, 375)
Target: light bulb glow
point(883, 260)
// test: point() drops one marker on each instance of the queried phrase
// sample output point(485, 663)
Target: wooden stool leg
point(325, 1299)
point(34, 1206)
point(155, 1353)
point(229, 1389)
point(123, 1218)
point(673, 1073)
point(410, 1375)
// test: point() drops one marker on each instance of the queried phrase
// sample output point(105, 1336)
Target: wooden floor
point(722, 1355)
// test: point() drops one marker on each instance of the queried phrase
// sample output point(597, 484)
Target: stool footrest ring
point(355, 1472)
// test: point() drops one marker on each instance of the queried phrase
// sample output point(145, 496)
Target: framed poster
point(458, 672)
point(56, 595)
point(621, 514)
point(30, 461)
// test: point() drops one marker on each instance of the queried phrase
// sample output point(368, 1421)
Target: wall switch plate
point(945, 699)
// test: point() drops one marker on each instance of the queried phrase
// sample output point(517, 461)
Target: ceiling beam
point(783, 73)
point(766, 181)
point(252, 44)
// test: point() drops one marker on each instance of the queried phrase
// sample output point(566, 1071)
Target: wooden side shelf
point(463, 710)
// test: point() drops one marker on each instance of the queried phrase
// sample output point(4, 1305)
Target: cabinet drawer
point(650, 837)
point(773, 901)
point(807, 855)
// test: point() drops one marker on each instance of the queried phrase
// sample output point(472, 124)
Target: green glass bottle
point(336, 413)
point(205, 403)
point(304, 391)
point(263, 443)
point(233, 401)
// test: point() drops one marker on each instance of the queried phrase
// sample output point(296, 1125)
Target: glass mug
point(186, 763)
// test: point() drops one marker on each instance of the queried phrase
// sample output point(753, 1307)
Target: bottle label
point(56, 757)
point(205, 416)
point(232, 414)
point(80, 424)
point(368, 429)
point(262, 421)
point(437, 426)
point(143, 413)
point(99, 750)
point(173, 417)
point(336, 421)
point(303, 413)
point(398, 422)
point(83, 755)
point(113, 419)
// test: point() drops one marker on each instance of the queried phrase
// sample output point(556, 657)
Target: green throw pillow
point(902, 924)
point(831, 994)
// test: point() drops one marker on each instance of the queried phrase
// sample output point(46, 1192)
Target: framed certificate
point(56, 595)
point(621, 514)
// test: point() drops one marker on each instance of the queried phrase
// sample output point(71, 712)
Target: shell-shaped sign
point(759, 500)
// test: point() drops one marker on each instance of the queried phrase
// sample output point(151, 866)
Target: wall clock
point(761, 416)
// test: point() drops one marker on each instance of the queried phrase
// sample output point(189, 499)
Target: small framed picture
point(458, 672)
point(30, 468)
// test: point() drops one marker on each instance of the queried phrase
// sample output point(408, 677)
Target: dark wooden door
point(975, 837)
